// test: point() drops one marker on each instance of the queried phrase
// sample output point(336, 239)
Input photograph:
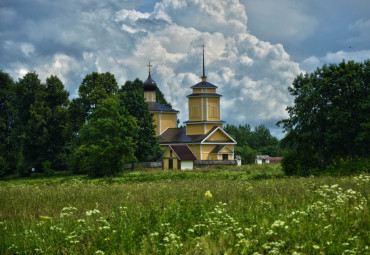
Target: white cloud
point(280, 21)
point(252, 75)
point(311, 63)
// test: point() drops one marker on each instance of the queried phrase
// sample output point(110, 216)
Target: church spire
point(204, 77)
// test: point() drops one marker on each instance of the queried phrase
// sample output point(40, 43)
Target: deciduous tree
point(106, 140)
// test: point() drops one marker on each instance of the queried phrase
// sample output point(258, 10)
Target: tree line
point(329, 124)
point(253, 142)
point(96, 133)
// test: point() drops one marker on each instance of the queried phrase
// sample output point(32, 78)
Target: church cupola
point(150, 87)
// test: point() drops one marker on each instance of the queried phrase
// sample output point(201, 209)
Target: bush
point(295, 163)
point(46, 167)
point(342, 167)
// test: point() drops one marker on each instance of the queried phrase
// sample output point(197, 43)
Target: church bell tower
point(204, 107)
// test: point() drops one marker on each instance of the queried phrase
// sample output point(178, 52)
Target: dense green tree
point(50, 119)
point(261, 137)
point(106, 140)
point(363, 137)
point(93, 88)
point(252, 143)
point(146, 144)
point(26, 92)
point(330, 114)
point(247, 154)
point(6, 118)
point(40, 120)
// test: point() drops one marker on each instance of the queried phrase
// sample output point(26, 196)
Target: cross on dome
point(149, 65)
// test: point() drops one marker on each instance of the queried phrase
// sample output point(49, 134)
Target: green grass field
point(247, 210)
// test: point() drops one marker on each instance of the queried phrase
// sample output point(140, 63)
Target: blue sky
point(254, 48)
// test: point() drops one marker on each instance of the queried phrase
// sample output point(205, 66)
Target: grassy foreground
point(250, 210)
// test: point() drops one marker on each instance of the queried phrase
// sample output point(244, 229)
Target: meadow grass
point(248, 210)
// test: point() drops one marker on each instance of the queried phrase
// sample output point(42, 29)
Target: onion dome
point(149, 84)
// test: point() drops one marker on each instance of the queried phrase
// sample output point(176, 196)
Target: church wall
point(195, 109)
point(218, 136)
point(149, 96)
point(166, 158)
point(195, 129)
point(214, 156)
point(206, 151)
point(210, 126)
point(156, 122)
point(168, 120)
point(195, 148)
point(213, 109)
point(230, 146)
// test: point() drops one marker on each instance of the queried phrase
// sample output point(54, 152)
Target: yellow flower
point(208, 194)
point(45, 217)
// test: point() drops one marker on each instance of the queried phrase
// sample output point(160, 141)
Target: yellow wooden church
point(202, 138)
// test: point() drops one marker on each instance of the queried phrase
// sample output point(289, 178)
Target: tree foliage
point(253, 142)
point(39, 121)
point(6, 149)
point(146, 144)
point(330, 116)
point(93, 88)
point(106, 140)
point(41, 129)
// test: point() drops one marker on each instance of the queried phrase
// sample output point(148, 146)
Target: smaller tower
point(149, 86)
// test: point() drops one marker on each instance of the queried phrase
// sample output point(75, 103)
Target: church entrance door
point(170, 164)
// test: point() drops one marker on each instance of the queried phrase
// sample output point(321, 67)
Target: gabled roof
point(204, 85)
point(219, 148)
point(178, 135)
point(174, 135)
point(157, 107)
point(262, 157)
point(276, 159)
point(183, 152)
point(213, 130)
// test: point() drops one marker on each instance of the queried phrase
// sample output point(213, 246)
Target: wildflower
point(91, 212)
point(208, 194)
point(315, 246)
point(239, 235)
point(45, 217)
point(99, 252)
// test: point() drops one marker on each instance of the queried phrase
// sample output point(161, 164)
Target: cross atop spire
point(204, 77)
point(149, 65)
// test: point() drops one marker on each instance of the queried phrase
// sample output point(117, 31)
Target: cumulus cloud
point(281, 21)
point(252, 75)
point(311, 63)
